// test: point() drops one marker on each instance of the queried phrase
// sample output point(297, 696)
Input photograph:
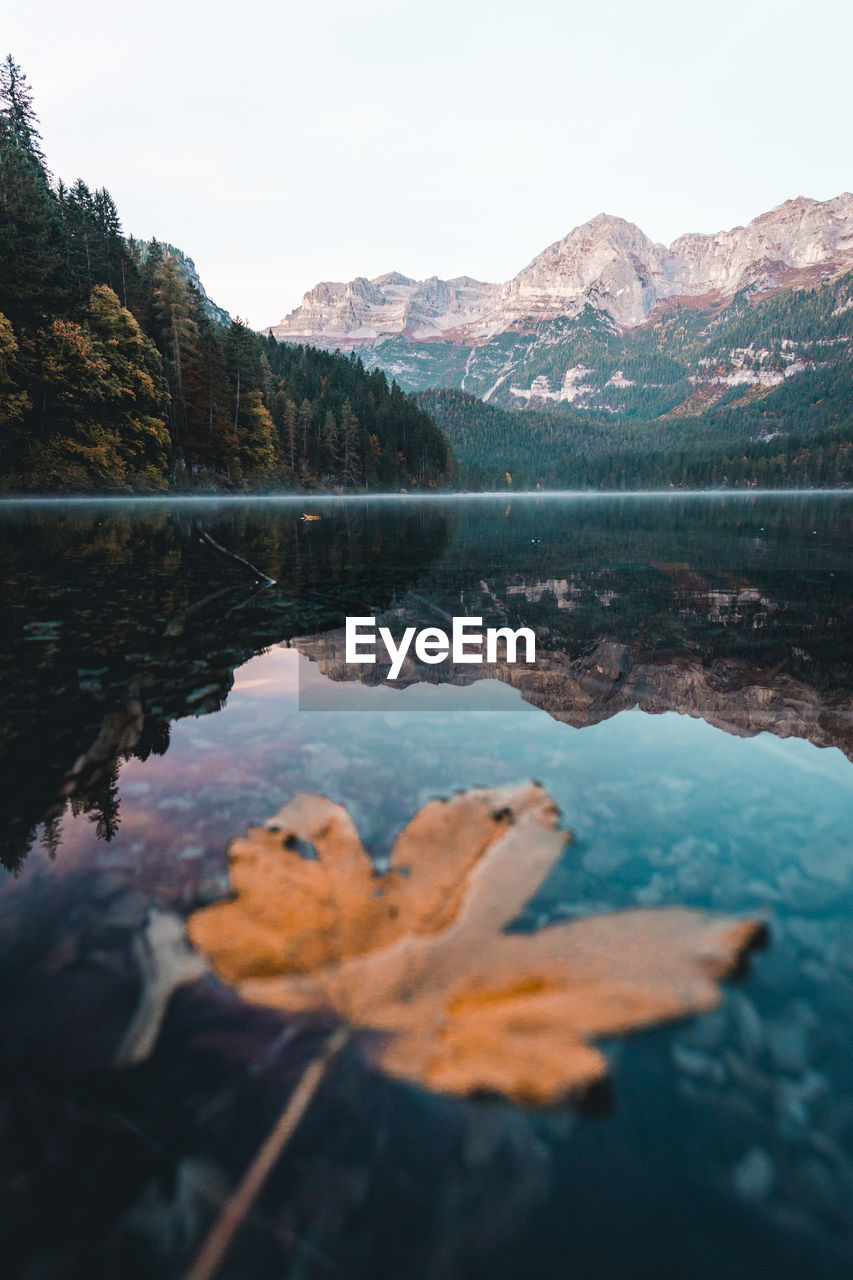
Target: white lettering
point(460, 639)
point(354, 640)
point(510, 639)
point(397, 655)
point(432, 645)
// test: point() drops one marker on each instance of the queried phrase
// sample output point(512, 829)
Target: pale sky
point(280, 144)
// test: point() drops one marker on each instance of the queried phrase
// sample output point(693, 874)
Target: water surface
point(690, 713)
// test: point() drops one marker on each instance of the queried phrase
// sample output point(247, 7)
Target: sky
point(279, 144)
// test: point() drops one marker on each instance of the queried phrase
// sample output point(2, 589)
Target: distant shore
point(420, 495)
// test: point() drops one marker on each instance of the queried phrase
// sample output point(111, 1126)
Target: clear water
point(695, 731)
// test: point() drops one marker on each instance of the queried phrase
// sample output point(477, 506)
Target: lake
point(689, 713)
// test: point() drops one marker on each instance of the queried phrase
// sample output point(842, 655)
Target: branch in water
point(223, 551)
point(237, 1207)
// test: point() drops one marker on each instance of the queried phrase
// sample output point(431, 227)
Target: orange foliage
point(421, 954)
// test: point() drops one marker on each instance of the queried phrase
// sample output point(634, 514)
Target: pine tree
point(18, 110)
point(214, 442)
point(101, 401)
point(304, 423)
point(76, 203)
point(103, 341)
point(178, 337)
point(253, 425)
point(136, 402)
point(350, 440)
point(14, 400)
point(284, 412)
point(329, 443)
point(30, 221)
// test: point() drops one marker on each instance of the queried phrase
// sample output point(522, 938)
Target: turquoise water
point(670, 630)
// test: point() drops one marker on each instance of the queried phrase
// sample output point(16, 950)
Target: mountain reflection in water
point(116, 620)
point(729, 1147)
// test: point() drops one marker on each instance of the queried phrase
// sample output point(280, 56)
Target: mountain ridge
point(607, 262)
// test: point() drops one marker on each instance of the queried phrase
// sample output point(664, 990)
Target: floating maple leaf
point(420, 954)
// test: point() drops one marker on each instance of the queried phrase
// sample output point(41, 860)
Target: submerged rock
point(754, 1175)
point(788, 1045)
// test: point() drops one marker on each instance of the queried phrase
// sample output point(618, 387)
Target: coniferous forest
point(724, 447)
point(117, 373)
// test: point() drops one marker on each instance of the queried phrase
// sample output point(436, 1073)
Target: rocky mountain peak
point(393, 277)
point(607, 262)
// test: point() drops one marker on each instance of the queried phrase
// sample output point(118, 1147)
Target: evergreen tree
point(29, 212)
point(136, 401)
point(329, 443)
point(116, 371)
point(14, 402)
point(305, 422)
point(101, 401)
point(350, 438)
point(18, 110)
point(178, 338)
point(253, 425)
point(284, 414)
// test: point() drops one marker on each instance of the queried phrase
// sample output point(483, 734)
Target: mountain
point(362, 311)
point(613, 677)
point(606, 263)
point(189, 273)
point(604, 319)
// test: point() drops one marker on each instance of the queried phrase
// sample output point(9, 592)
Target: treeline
point(331, 416)
point(116, 373)
point(807, 319)
point(798, 436)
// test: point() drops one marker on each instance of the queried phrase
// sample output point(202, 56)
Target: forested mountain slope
point(605, 319)
point(799, 435)
point(118, 372)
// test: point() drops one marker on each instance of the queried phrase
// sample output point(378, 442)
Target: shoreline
point(304, 499)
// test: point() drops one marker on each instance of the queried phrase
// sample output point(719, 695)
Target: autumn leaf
point(421, 953)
